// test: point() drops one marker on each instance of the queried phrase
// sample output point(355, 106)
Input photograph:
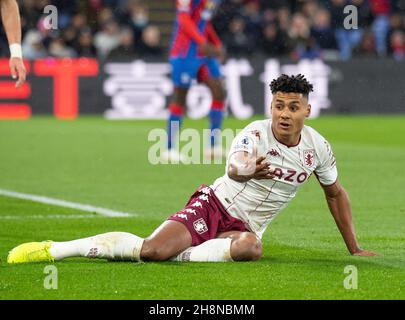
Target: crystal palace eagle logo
point(309, 157)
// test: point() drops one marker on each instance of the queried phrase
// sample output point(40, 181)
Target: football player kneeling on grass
point(268, 162)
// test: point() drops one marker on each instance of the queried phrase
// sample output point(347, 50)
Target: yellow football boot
point(31, 252)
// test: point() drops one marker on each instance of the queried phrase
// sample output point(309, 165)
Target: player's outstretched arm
point(244, 166)
point(10, 16)
point(339, 205)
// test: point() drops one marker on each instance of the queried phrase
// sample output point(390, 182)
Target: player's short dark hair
point(295, 84)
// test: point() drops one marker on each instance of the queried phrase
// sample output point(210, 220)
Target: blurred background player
point(10, 16)
point(195, 53)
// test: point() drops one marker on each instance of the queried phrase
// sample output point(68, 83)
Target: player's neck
point(289, 140)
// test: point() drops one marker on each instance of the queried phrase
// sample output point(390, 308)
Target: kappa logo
point(191, 211)
point(197, 204)
point(200, 226)
point(181, 215)
point(274, 153)
point(204, 197)
point(206, 190)
point(309, 157)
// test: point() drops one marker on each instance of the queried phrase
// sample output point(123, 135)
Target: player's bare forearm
point(340, 207)
point(10, 16)
point(234, 174)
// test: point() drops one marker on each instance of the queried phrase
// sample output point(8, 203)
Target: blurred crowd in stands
point(294, 28)
point(314, 28)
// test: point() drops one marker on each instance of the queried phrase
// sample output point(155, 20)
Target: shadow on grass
point(286, 254)
point(281, 255)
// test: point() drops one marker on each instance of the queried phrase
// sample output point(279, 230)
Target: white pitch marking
point(67, 204)
point(56, 216)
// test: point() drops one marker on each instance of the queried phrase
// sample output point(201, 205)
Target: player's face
point(289, 111)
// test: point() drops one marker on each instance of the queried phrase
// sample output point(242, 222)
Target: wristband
point(16, 50)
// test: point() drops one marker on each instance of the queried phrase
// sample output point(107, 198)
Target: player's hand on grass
point(18, 71)
point(364, 253)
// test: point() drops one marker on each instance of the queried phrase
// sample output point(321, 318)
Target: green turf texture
point(104, 163)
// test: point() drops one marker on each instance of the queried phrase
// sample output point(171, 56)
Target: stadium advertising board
point(141, 90)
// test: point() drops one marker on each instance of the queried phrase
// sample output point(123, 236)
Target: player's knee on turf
point(247, 247)
point(151, 251)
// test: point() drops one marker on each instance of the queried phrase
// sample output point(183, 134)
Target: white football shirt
point(257, 202)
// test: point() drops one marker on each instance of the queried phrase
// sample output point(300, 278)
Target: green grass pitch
point(104, 163)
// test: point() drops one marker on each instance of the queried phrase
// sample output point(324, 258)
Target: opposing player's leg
point(176, 114)
point(210, 75)
point(216, 115)
point(183, 72)
point(216, 88)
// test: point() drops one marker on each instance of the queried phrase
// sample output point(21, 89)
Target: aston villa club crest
point(200, 226)
point(309, 160)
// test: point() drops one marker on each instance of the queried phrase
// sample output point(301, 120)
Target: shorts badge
point(200, 226)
